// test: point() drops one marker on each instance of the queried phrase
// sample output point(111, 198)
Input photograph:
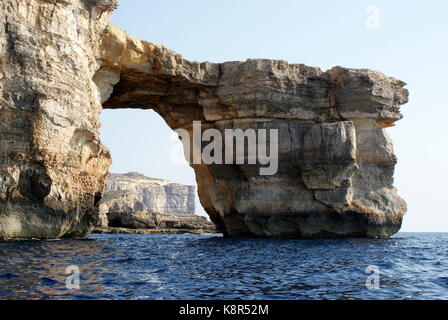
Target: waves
point(411, 266)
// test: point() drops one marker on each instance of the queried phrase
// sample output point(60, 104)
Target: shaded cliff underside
point(60, 63)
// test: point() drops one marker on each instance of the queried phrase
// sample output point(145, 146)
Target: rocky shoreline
point(111, 230)
point(157, 222)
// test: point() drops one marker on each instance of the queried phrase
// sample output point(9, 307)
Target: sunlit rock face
point(60, 61)
point(134, 201)
point(135, 192)
point(52, 163)
point(335, 160)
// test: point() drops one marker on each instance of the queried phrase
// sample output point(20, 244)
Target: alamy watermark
point(373, 280)
point(233, 146)
point(72, 280)
point(373, 19)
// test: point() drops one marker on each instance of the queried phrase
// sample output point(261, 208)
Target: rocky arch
point(62, 62)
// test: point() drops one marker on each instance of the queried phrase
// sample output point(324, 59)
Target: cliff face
point(135, 192)
point(146, 205)
point(336, 162)
point(59, 61)
point(52, 163)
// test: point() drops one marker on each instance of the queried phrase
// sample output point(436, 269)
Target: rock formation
point(152, 222)
point(52, 163)
point(135, 192)
point(60, 61)
point(146, 205)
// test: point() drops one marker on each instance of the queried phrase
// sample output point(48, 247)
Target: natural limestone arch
point(61, 62)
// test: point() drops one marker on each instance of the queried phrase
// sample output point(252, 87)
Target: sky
point(403, 39)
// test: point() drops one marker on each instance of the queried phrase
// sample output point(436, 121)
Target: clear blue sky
point(411, 44)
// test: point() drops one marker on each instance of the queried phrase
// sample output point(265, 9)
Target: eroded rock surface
point(52, 163)
point(336, 162)
point(137, 222)
point(136, 192)
point(134, 203)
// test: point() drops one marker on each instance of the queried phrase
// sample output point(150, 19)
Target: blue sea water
point(411, 265)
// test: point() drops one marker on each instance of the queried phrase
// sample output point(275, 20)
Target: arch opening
point(148, 174)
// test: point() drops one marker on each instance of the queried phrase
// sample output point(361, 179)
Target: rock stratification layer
point(52, 163)
point(134, 203)
point(152, 222)
point(336, 162)
point(135, 192)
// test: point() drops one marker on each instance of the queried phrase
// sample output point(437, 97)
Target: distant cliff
point(136, 192)
point(134, 203)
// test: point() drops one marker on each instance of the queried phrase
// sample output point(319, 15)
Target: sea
point(209, 266)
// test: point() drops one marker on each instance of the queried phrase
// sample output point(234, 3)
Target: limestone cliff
point(52, 163)
point(59, 61)
point(336, 161)
point(134, 203)
point(135, 192)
